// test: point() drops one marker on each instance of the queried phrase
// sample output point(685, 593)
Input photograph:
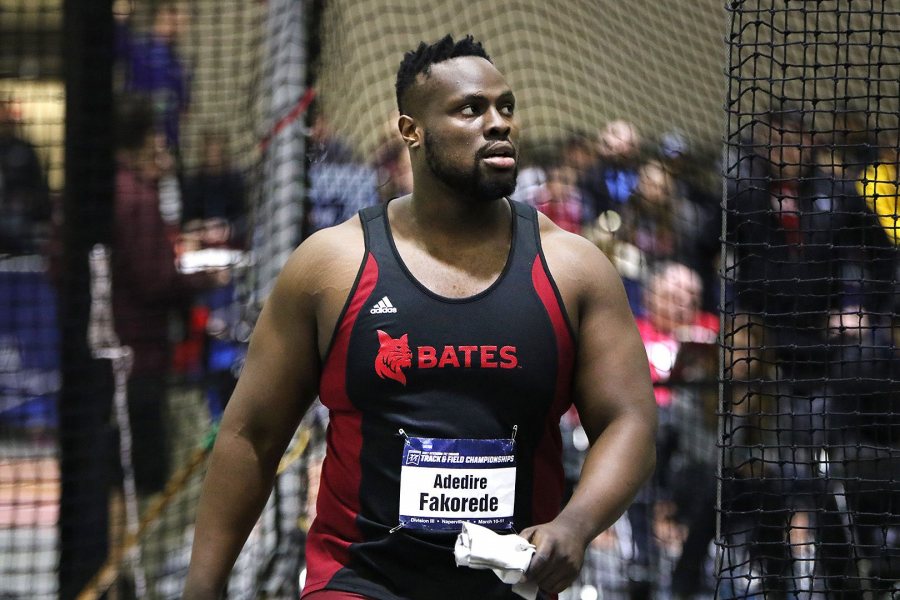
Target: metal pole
point(85, 396)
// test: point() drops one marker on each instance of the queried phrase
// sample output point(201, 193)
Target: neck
point(450, 215)
point(437, 207)
point(447, 236)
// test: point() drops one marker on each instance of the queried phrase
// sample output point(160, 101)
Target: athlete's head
point(457, 116)
point(419, 61)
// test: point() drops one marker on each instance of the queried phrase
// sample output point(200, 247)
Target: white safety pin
point(396, 529)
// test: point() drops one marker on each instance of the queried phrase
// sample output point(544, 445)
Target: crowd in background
point(810, 266)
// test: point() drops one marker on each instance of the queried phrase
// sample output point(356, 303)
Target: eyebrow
point(480, 97)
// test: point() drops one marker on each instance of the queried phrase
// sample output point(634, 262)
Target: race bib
point(444, 482)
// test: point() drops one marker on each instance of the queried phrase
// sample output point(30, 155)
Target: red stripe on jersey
point(334, 528)
point(549, 480)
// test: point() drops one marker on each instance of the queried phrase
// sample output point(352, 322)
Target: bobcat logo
point(393, 355)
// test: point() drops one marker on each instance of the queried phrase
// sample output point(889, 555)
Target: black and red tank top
point(405, 358)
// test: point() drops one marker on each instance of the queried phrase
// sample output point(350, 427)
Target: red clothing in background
point(146, 283)
point(565, 211)
point(662, 348)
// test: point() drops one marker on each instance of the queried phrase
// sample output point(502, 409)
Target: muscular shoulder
point(324, 266)
point(581, 271)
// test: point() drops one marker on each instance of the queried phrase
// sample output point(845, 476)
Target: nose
point(497, 125)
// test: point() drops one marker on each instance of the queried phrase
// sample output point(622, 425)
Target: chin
point(491, 186)
point(489, 191)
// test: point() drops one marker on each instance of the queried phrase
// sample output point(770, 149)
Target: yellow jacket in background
point(879, 186)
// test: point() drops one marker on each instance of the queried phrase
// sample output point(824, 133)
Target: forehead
point(462, 76)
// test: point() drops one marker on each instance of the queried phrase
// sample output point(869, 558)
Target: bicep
point(612, 376)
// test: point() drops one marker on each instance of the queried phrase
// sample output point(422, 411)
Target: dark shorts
point(149, 449)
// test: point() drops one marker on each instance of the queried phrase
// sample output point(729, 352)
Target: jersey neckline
point(514, 217)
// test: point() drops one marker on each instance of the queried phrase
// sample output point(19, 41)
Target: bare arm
point(277, 385)
point(614, 398)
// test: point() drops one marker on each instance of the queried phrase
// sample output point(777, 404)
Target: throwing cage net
point(810, 463)
point(176, 152)
point(151, 184)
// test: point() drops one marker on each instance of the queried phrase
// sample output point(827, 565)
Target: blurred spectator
point(559, 198)
point(808, 252)
point(338, 185)
point(147, 285)
point(29, 332)
point(214, 196)
point(864, 257)
point(531, 176)
point(862, 402)
point(650, 219)
point(553, 187)
point(803, 241)
point(24, 199)
point(579, 153)
point(698, 188)
point(214, 218)
point(862, 426)
point(680, 342)
point(393, 168)
point(665, 224)
point(752, 479)
point(855, 141)
point(613, 178)
point(152, 66)
point(324, 144)
point(797, 465)
point(672, 316)
point(576, 152)
point(879, 185)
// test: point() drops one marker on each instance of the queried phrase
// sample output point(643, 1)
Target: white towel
point(508, 556)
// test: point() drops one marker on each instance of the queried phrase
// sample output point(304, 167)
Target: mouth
point(500, 156)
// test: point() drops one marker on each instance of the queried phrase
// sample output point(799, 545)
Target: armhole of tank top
point(350, 294)
point(536, 227)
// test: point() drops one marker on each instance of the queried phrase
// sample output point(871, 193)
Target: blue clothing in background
point(153, 68)
point(29, 346)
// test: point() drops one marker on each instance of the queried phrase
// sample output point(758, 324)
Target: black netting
point(151, 183)
point(809, 471)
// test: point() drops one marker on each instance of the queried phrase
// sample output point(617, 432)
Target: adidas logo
point(383, 306)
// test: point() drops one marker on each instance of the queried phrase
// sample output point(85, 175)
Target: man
point(680, 339)
point(153, 67)
point(339, 186)
point(613, 178)
point(24, 198)
point(433, 331)
point(147, 285)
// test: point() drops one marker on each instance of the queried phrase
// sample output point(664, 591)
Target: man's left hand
point(558, 556)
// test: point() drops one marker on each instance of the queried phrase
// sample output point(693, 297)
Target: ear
point(409, 131)
point(383, 337)
point(404, 339)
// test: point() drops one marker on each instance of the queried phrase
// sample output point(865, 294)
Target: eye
point(468, 110)
point(508, 109)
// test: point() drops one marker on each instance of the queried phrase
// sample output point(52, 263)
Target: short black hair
point(420, 60)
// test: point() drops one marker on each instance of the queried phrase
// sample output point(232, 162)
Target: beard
point(474, 182)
